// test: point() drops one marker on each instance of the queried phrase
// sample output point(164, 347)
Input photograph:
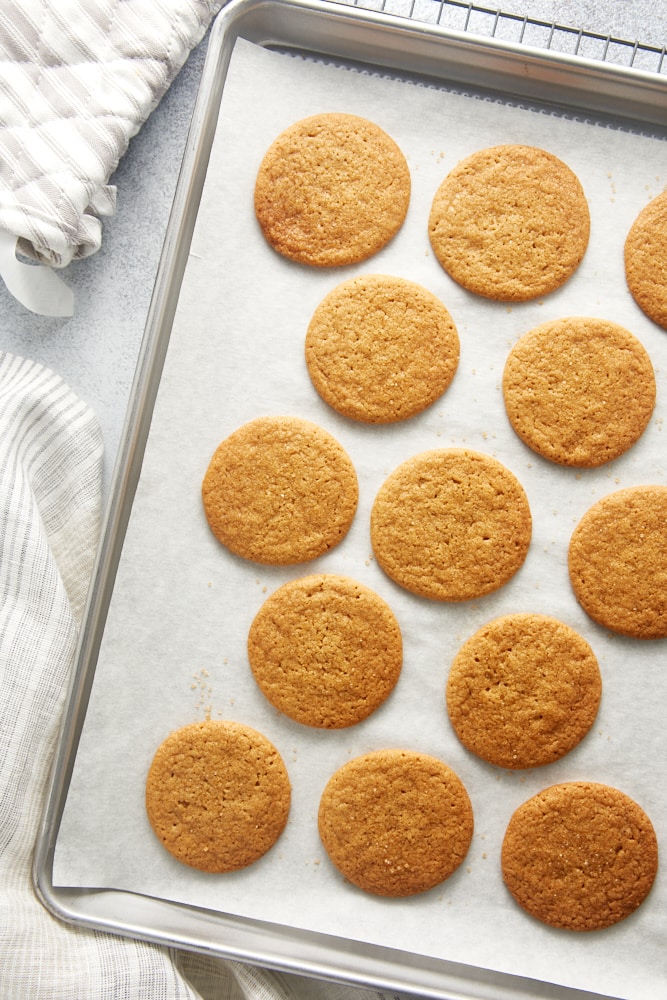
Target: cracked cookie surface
point(451, 524)
point(510, 223)
point(616, 562)
point(395, 822)
point(332, 189)
point(523, 690)
point(645, 259)
point(579, 391)
point(325, 650)
point(580, 856)
point(280, 490)
point(380, 349)
point(217, 795)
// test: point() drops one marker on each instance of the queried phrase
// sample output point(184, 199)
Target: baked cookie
point(325, 650)
point(523, 691)
point(579, 856)
point(381, 349)
point(217, 795)
point(395, 822)
point(645, 258)
point(451, 524)
point(332, 189)
point(510, 223)
point(280, 490)
point(579, 391)
point(616, 562)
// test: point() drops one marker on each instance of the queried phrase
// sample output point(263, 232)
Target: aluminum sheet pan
point(629, 101)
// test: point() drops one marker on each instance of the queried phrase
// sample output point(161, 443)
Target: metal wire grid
point(517, 28)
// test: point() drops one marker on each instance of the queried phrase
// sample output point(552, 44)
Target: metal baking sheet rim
point(628, 98)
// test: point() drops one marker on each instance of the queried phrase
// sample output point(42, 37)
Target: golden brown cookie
point(325, 650)
point(217, 795)
point(395, 822)
point(580, 856)
point(617, 564)
point(523, 691)
point(451, 524)
point(381, 349)
point(510, 223)
point(332, 189)
point(579, 391)
point(645, 257)
point(280, 490)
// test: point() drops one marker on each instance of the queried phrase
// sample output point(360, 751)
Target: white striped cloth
point(77, 80)
point(50, 497)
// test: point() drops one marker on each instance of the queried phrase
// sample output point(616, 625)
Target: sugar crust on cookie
point(616, 561)
point(510, 223)
point(580, 856)
point(380, 349)
point(395, 822)
point(280, 490)
point(451, 524)
point(645, 260)
point(217, 795)
point(579, 391)
point(326, 650)
point(332, 189)
point(523, 690)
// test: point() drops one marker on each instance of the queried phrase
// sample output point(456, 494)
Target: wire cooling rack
point(517, 28)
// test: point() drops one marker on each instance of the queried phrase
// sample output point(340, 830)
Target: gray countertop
point(96, 350)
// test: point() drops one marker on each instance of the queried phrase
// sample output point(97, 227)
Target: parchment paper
point(174, 646)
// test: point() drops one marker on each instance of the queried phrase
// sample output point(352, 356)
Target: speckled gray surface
point(96, 350)
point(634, 20)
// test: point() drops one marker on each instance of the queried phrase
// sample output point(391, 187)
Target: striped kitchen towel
point(78, 78)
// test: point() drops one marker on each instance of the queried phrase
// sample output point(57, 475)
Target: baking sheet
point(173, 649)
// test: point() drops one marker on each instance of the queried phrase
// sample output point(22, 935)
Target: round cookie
point(579, 391)
point(380, 349)
point(395, 822)
point(332, 189)
point(523, 691)
point(645, 259)
point(325, 650)
point(616, 562)
point(580, 856)
point(451, 524)
point(280, 490)
point(510, 223)
point(217, 795)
